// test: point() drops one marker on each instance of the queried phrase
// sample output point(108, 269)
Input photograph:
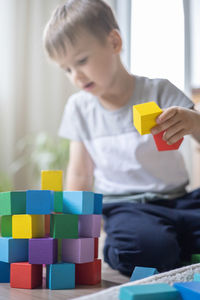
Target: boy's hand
point(176, 122)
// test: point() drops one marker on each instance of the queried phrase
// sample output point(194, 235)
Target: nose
point(77, 76)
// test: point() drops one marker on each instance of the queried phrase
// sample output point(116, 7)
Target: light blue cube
point(142, 272)
point(196, 277)
point(39, 202)
point(4, 272)
point(78, 202)
point(13, 250)
point(188, 290)
point(159, 291)
point(98, 199)
point(60, 276)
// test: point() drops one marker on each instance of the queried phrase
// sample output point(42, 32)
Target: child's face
point(90, 64)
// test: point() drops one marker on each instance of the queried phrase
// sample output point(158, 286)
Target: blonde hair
point(70, 18)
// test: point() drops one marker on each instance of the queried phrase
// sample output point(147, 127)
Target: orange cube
point(25, 276)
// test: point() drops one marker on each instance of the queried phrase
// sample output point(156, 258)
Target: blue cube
point(60, 276)
point(39, 202)
point(4, 272)
point(78, 202)
point(188, 290)
point(98, 199)
point(13, 250)
point(159, 291)
point(142, 272)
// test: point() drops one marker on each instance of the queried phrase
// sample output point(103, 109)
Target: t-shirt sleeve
point(69, 128)
point(170, 95)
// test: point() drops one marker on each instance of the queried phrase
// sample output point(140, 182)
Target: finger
point(175, 138)
point(164, 126)
point(171, 131)
point(166, 114)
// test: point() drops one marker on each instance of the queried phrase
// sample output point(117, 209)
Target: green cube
point(58, 202)
point(6, 226)
point(13, 203)
point(64, 226)
point(195, 258)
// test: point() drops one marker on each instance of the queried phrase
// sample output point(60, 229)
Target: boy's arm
point(80, 168)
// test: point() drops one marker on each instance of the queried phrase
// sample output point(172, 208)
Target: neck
point(120, 90)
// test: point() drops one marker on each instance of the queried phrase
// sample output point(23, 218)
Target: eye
point(82, 61)
point(68, 70)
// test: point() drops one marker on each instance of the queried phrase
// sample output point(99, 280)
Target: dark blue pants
point(159, 234)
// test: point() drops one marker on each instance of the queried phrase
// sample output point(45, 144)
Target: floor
point(109, 278)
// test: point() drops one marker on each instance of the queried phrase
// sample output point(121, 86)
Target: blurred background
point(161, 39)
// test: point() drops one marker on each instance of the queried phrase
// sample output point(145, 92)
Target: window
point(157, 40)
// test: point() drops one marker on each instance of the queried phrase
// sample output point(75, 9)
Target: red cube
point(25, 276)
point(162, 145)
point(88, 273)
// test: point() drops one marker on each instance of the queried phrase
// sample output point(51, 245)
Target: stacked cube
point(53, 228)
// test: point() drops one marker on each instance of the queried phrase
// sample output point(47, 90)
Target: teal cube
point(60, 276)
point(159, 291)
point(78, 202)
point(13, 203)
point(58, 202)
point(196, 277)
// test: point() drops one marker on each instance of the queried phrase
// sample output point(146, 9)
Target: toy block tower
point(50, 227)
point(144, 119)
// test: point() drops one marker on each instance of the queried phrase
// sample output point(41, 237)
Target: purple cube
point(78, 250)
point(43, 251)
point(89, 225)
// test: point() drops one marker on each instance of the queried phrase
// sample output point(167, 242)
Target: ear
point(115, 41)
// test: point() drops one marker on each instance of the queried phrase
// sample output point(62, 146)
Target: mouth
point(88, 86)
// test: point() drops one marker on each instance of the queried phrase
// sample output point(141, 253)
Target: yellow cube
point(144, 116)
point(52, 180)
point(28, 226)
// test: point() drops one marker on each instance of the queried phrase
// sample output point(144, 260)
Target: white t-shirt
point(128, 166)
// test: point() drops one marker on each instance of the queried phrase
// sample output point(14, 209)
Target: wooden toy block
point(28, 226)
point(4, 272)
point(52, 180)
point(13, 203)
point(64, 226)
point(13, 250)
point(78, 250)
point(142, 272)
point(60, 276)
point(47, 225)
point(59, 250)
point(98, 199)
point(149, 292)
point(89, 225)
point(6, 226)
point(188, 290)
point(39, 202)
point(196, 277)
point(88, 273)
point(96, 247)
point(25, 275)
point(78, 202)
point(144, 116)
point(43, 251)
point(58, 202)
point(195, 258)
point(162, 145)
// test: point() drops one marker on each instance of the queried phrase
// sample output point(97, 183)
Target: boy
point(150, 219)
